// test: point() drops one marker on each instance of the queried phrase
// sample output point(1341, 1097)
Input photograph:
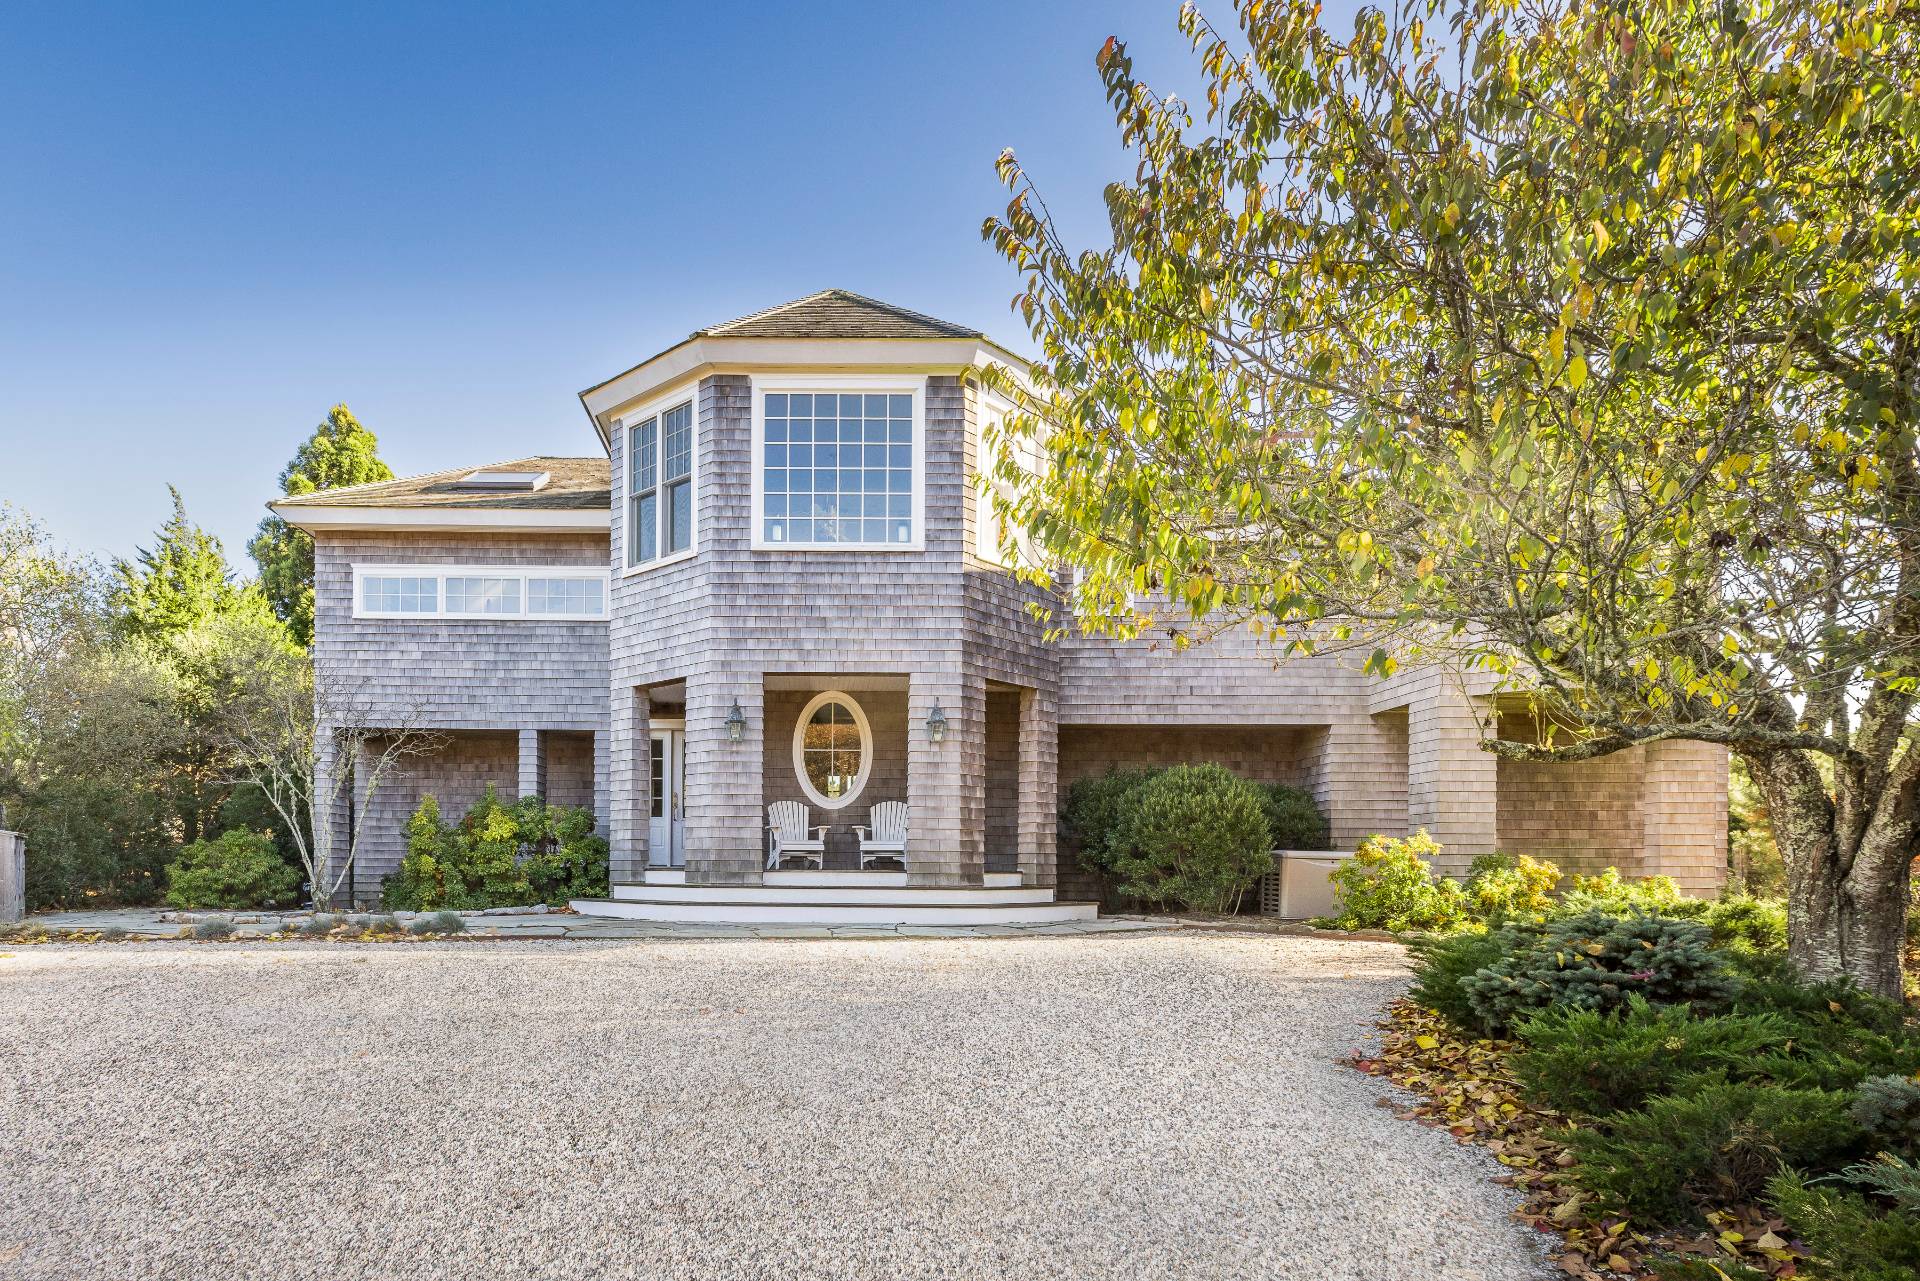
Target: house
point(773, 584)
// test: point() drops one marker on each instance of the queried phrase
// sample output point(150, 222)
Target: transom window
point(660, 485)
point(550, 593)
point(832, 749)
point(839, 465)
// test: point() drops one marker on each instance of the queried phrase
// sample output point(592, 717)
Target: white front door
point(667, 831)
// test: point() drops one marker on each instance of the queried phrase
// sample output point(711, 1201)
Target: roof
point(575, 484)
point(837, 313)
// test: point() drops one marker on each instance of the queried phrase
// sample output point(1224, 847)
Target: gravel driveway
point(1122, 1106)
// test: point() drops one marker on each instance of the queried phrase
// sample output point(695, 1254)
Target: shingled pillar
point(947, 781)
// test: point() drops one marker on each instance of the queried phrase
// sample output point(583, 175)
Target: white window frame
point(657, 409)
point(441, 573)
point(860, 723)
point(893, 384)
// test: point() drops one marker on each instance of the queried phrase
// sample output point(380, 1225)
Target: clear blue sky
point(217, 221)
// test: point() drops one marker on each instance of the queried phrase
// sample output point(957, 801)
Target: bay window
point(838, 463)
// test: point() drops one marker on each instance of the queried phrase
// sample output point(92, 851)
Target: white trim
point(762, 384)
point(709, 354)
point(421, 518)
point(440, 574)
point(683, 394)
point(866, 748)
point(793, 909)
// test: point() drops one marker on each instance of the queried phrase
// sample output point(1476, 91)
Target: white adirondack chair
point(787, 836)
point(887, 838)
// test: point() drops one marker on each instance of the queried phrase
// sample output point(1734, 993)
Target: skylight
point(521, 480)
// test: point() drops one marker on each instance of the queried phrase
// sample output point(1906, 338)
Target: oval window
point(832, 749)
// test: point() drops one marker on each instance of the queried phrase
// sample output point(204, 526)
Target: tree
point(339, 453)
point(180, 605)
point(163, 592)
point(1576, 344)
point(85, 723)
point(272, 738)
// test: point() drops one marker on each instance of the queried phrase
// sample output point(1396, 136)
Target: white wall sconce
point(936, 724)
point(736, 723)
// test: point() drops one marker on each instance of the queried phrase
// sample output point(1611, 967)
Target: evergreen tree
point(181, 581)
point(339, 453)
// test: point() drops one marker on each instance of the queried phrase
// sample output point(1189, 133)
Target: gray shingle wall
point(700, 635)
point(723, 620)
point(460, 674)
point(451, 675)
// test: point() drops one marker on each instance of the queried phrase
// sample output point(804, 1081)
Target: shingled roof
point(837, 313)
point(574, 484)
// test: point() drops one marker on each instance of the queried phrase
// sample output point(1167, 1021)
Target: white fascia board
point(702, 356)
point(316, 519)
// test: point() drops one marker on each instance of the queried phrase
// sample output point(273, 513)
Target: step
point(678, 876)
point(796, 912)
point(823, 890)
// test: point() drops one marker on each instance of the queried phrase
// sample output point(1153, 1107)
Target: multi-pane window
point(660, 485)
point(837, 469)
point(832, 749)
point(658, 791)
point(566, 596)
point(397, 594)
point(483, 595)
point(555, 593)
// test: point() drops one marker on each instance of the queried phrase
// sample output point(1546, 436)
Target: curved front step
point(790, 908)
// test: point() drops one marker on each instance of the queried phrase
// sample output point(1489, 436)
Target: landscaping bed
point(1670, 1108)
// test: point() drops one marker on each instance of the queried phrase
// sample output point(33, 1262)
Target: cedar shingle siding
point(567, 707)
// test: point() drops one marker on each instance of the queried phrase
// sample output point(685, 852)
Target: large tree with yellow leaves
point(1575, 341)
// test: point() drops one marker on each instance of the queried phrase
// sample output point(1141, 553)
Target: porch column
point(602, 808)
point(330, 801)
point(1039, 801)
point(1451, 784)
point(533, 765)
point(630, 780)
point(947, 781)
point(721, 798)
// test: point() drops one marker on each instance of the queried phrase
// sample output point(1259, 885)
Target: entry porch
point(698, 763)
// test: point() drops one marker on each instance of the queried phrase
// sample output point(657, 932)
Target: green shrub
point(569, 862)
point(1770, 982)
point(1595, 961)
point(1850, 1239)
point(1743, 921)
point(1095, 810)
point(499, 855)
point(215, 927)
point(1295, 822)
point(1389, 884)
point(1893, 1177)
point(1500, 886)
point(239, 869)
point(1194, 835)
point(1612, 893)
point(1591, 1063)
point(1717, 1147)
point(1441, 961)
point(1888, 1109)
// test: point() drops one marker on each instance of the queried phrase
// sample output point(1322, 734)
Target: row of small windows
point(530, 595)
